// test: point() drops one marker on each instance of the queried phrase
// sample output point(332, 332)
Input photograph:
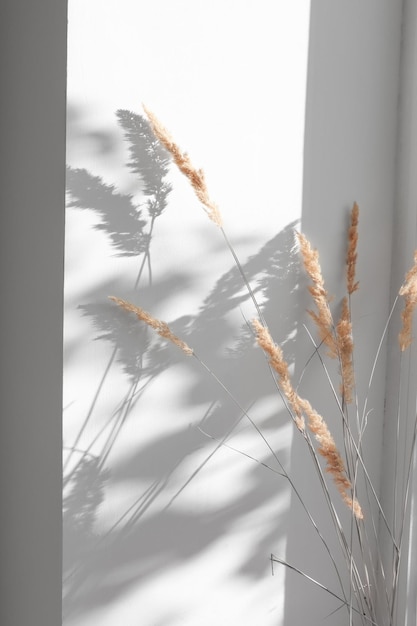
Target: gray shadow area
point(100, 568)
point(33, 42)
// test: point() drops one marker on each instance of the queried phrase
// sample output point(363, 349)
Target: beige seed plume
point(160, 327)
point(409, 292)
point(345, 352)
point(183, 162)
point(278, 363)
point(317, 425)
point(352, 254)
point(329, 451)
point(323, 317)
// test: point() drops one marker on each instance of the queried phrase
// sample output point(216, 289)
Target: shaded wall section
point(32, 123)
point(350, 155)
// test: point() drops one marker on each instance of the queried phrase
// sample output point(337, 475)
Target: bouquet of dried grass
point(371, 596)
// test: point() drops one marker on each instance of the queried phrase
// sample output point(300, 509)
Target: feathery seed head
point(352, 254)
point(329, 451)
point(323, 317)
point(195, 176)
point(345, 352)
point(278, 363)
point(160, 327)
point(409, 292)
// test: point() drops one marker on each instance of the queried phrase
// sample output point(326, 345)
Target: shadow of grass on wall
point(154, 532)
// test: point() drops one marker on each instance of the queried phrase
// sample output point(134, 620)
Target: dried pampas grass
point(323, 318)
point(352, 255)
point(342, 463)
point(183, 162)
point(409, 292)
point(160, 327)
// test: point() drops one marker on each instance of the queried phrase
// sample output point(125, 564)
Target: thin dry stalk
point(317, 425)
point(409, 292)
point(323, 317)
point(183, 162)
point(352, 254)
point(160, 327)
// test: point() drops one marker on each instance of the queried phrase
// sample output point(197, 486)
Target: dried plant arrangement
point(367, 589)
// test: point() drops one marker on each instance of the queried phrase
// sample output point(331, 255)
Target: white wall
point(229, 80)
